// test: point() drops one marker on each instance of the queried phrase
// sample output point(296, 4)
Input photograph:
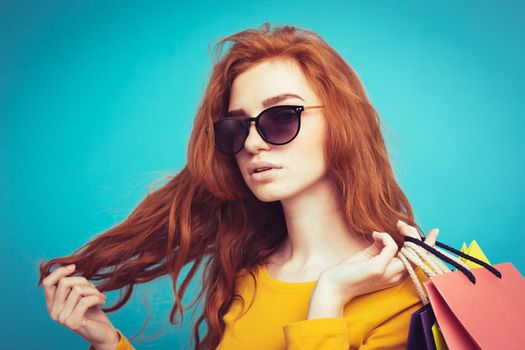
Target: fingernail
point(71, 267)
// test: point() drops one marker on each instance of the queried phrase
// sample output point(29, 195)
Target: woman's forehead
point(268, 83)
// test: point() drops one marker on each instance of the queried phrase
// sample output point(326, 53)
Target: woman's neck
point(318, 235)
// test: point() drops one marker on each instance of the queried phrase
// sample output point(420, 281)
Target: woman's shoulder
point(245, 278)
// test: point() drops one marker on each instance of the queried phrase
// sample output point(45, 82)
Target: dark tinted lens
point(279, 125)
point(229, 135)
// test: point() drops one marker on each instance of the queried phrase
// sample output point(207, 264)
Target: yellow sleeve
point(393, 333)
point(329, 333)
point(123, 343)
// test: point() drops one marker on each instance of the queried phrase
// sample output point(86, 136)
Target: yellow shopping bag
point(473, 250)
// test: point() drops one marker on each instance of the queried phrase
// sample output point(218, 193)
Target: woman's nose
point(254, 141)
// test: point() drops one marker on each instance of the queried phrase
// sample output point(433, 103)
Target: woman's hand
point(72, 301)
point(376, 267)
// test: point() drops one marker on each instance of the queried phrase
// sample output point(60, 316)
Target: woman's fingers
point(431, 237)
point(72, 302)
point(411, 231)
point(407, 230)
point(394, 267)
point(77, 293)
point(389, 267)
point(63, 290)
point(388, 251)
point(49, 283)
point(77, 320)
point(395, 271)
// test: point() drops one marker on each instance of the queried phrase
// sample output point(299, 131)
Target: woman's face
point(301, 162)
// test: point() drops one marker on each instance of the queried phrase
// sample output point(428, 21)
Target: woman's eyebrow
point(266, 103)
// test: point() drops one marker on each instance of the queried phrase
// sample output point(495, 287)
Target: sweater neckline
point(270, 281)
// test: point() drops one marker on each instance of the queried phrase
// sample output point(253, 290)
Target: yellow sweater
point(277, 318)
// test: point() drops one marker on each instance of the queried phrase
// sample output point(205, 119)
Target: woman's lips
point(265, 175)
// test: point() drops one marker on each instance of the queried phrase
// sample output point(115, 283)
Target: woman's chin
point(267, 196)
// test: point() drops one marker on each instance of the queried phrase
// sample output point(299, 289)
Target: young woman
point(289, 193)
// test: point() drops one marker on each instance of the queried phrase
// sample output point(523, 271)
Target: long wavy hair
point(206, 211)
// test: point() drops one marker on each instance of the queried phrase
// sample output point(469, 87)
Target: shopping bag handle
point(440, 255)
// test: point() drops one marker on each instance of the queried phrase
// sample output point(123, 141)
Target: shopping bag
point(438, 337)
point(424, 332)
point(473, 250)
point(476, 308)
point(420, 335)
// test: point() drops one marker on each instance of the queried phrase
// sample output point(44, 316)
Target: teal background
point(97, 100)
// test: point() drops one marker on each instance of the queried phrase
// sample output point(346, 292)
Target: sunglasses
point(277, 125)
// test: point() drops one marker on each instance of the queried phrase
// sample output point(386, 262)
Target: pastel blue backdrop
point(97, 100)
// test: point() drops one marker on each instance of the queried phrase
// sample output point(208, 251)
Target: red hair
point(207, 211)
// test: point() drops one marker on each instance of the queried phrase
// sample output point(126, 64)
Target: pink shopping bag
point(478, 308)
point(489, 314)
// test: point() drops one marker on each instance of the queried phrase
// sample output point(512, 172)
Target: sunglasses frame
point(247, 122)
